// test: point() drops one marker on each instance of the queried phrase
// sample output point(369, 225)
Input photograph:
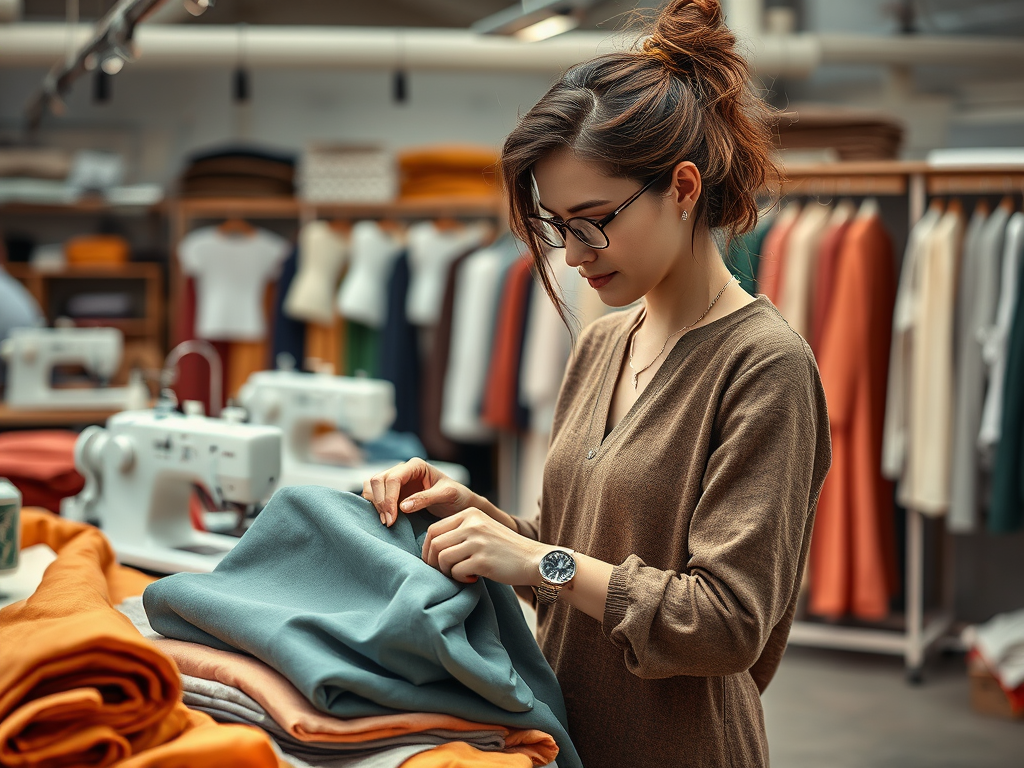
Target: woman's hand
point(415, 485)
point(470, 544)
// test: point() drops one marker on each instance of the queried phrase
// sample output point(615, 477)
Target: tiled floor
point(844, 710)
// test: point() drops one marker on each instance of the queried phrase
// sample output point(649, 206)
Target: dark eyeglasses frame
point(562, 226)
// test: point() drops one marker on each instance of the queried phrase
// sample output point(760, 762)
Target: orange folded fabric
point(79, 686)
point(41, 463)
point(458, 754)
point(96, 250)
point(293, 712)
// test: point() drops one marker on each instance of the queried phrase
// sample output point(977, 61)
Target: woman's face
point(646, 241)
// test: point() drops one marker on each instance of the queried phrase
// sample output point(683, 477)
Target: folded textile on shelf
point(41, 463)
point(79, 685)
point(375, 632)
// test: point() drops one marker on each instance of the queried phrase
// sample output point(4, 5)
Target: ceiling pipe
point(192, 46)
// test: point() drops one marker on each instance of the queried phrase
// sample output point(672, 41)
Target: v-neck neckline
point(682, 347)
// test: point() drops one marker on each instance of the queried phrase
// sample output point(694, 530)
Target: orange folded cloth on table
point(294, 713)
point(79, 686)
point(96, 250)
point(458, 754)
point(41, 464)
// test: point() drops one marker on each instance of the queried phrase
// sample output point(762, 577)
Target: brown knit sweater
point(703, 496)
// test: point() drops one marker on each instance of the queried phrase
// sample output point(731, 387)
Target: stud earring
point(685, 216)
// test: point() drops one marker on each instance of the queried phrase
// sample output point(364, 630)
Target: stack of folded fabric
point(239, 172)
point(79, 686)
point(41, 464)
point(330, 632)
point(850, 134)
point(34, 175)
point(440, 171)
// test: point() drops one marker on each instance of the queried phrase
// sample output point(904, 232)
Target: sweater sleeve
point(747, 539)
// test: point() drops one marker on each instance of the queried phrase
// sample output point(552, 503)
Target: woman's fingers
point(455, 559)
point(437, 545)
point(441, 527)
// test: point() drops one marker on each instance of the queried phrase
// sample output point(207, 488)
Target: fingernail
point(382, 520)
point(407, 505)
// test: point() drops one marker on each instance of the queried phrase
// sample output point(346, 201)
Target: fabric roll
point(400, 352)
point(899, 392)
point(296, 715)
point(771, 267)
point(975, 296)
point(853, 553)
point(927, 485)
point(322, 254)
point(801, 260)
point(435, 645)
point(432, 250)
point(79, 685)
point(362, 296)
point(997, 341)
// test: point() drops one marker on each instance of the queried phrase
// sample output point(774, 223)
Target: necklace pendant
point(636, 380)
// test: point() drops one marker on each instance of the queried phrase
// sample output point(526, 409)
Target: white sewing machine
point(139, 473)
point(33, 353)
point(298, 402)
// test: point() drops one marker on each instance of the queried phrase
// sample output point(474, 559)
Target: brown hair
point(683, 93)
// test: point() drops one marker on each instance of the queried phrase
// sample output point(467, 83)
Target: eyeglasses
point(590, 232)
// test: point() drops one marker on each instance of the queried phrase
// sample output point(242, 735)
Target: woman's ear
point(685, 187)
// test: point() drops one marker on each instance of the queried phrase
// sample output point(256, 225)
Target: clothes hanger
point(1008, 203)
point(236, 227)
point(955, 206)
point(868, 208)
point(447, 224)
point(341, 227)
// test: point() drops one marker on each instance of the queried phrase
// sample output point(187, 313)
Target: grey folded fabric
point(347, 610)
point(228, 704)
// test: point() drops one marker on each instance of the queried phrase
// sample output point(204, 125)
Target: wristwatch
point(557, 568)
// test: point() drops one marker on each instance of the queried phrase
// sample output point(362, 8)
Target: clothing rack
point(184, 213)
point(918, 181)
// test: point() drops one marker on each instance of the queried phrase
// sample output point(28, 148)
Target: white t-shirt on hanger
point(231, 274)
point(363, 295)
point(431, 252)
point(322, 254)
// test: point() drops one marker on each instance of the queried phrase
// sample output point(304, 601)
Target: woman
point(690, 440)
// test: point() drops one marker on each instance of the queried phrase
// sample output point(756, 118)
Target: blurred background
point(351, 146)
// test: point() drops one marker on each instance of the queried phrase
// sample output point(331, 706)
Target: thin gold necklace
point(632, 340)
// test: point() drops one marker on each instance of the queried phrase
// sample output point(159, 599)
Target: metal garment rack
point(921, 632)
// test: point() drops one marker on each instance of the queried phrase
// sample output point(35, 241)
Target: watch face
point(557, 567)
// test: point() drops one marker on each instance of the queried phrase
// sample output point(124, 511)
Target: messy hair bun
point(682, 93)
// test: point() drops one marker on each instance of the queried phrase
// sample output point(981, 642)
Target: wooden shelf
point(287, 207)
point(139, 270)
point(81, 207)
point(17, 417)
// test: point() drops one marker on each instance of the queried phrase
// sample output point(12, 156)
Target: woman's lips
point(599, 281)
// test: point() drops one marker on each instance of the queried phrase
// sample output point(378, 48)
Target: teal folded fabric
point(347, 610)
